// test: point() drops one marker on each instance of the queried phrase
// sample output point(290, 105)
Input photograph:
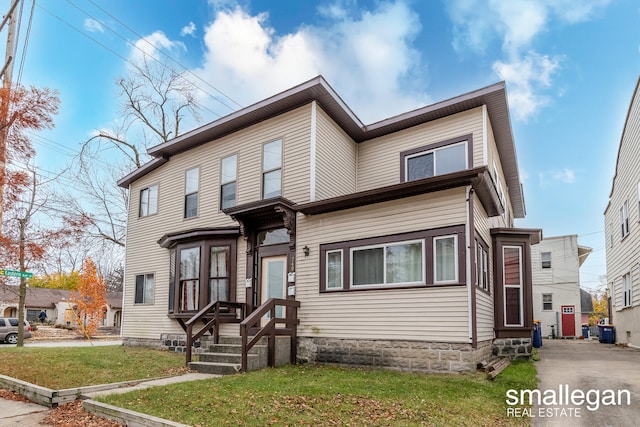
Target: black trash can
point(585, 331)
point(537, 334)
point(607, 334)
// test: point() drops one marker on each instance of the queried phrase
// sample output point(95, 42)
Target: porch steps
point(225, 358)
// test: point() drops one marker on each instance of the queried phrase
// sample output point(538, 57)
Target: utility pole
point(7, 73)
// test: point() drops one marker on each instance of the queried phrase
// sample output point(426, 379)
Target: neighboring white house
point(622, 225)
point(556, 263)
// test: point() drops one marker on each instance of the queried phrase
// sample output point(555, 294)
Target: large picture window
point(423, 258)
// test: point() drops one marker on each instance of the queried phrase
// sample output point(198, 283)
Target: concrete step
point(217, 368)
point(229, 339)
point(254, 361)
point(235, 349)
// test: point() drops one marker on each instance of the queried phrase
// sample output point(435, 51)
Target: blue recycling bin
point(607, 334)
point(537, 334)
point(585, 331)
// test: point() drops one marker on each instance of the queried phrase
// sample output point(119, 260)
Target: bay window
point(513, 285)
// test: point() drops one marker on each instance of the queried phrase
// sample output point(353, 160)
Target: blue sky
point(570, 68)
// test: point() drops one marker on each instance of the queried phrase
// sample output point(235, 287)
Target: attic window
point(436, 159)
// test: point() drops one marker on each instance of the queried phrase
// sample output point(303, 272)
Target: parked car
point(9, 330)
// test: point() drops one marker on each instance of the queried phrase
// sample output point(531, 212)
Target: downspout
point(124, 273)
point(470, 258)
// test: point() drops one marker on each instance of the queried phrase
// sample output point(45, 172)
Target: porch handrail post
point(243, 334)
point(189, 342)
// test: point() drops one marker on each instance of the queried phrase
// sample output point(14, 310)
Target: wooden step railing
point(212, 316)
point(270, 329)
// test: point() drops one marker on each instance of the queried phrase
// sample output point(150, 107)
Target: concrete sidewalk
point(14, 413)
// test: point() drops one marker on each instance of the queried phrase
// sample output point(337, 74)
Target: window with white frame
point(272, 169)
point(334, 269)
point(547, 302)
point(513, 285)
point(400, 263)
point(624, 219)
point(228, 178)
point(145, 285)
point(148, 201)
point(438, 161)
point(545, 259)
point(191, 186)
point(626, 290)
point(445, 265)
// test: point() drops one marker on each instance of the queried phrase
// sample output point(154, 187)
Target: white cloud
point(367, 57)
point(93, 26)
point(151, 44)
point(516, 24)
point(564, 176)
point(188, 30)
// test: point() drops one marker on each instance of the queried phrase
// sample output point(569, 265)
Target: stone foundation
point(513, 348)
point(171, 342)
point(394, 354)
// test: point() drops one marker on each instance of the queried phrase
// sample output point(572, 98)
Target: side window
point(437, 161)
point(272, 169)
point(148, 201)
point(145, 285)
point(513, 285)
point(228, 177)
point(626, 290)
point(547, 301)
point(624, 219)
point(2, 323)
point(191, 186)
point(545, 259)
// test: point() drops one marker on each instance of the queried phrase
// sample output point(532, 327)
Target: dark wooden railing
point(251, 325)
point(212, 316)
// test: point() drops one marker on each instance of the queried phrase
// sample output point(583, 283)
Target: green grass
point(69, 367)
point(322, 395)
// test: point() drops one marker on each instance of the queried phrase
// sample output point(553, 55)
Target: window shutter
point(139, 298)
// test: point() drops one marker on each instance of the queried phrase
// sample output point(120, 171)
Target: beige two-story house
point(390, 244)
point(622, 225)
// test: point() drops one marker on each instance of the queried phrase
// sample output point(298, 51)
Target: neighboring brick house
point(622, 225)
point(395, 238)
point(556, 285)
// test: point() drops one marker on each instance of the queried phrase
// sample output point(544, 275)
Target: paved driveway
point(609, 377)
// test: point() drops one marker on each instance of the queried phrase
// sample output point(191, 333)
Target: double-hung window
point(148, 201)
point(626, 290)
point(145, 284)
point(545, 259)
point(445, 250)
point(547, 302)
point(192, 183)
point(482, 266)
point(392, 264)
point(228, 177)
point(624, 219)
point(513, 285)
point(334, 269)
point(437, 161)
point(189, 279)
point(272, 169)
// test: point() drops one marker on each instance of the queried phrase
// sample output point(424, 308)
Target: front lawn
point(69, 367)
point(323, 395)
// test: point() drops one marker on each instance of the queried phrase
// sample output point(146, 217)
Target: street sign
point(15, 273)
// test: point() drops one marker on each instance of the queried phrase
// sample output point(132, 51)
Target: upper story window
point(624, 219)
point(272, 169)
point(228, 178)
point(191, 186)
point(444, 157)
point(545, 259)
point(148, 201)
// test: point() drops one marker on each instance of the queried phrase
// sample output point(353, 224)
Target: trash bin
point(585, 331)
point(537, 334)
point(607, 334)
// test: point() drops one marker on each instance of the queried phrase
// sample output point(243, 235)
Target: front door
point(568, 321)
point(274, 280)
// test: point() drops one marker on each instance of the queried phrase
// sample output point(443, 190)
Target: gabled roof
point(317, 89)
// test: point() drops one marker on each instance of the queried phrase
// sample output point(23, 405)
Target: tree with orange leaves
point(90, 297)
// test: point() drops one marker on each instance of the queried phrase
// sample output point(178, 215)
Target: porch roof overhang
point(263, 213)
point(478, 178)
point(171, 239)
point(534, 234)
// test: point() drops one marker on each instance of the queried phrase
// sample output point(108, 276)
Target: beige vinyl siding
point(624, 256)
point(143, 253)
point(379, 159)
point(336, 157)
point(484, 301)
point(501, 220)
point(436, 313)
